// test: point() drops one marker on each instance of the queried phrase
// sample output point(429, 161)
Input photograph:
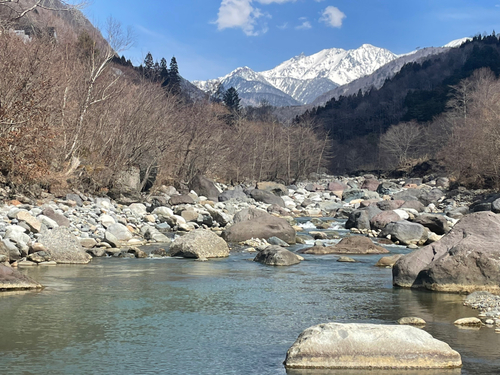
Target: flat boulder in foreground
point(364, 346)
point(11, 279)
point(464, 260)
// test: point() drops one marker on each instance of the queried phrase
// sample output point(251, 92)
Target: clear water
point(227, 316)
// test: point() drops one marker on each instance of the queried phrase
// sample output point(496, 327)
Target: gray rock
point(75, 198)
point(464, 260)
point(370, 184)
point(180, 199)
point(367, 346)
point(278, 242)
point(346, 260)
point(264, 226)
point(405, 232)
point(354, 194)
point(348, 245)
point(273, 187)
point(120, 232)
point(276, 256)
point(11, 279)
point(200, 243)
point(266, 197)
point(203, 186)
point(361, 218)
point(237, 194)
point(61, 220)
point(138, 208)
point(387, 188)
point(47, 221)
point(435, 223)
point(380, 220)
point(411, 321)
point(248, 214)
point(336, 186)
point(63, 246)
point(388, 261)
point(390, 205)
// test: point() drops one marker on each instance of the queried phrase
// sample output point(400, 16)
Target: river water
point(225, 316)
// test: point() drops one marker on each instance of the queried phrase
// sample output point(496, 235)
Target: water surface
point(226, 316)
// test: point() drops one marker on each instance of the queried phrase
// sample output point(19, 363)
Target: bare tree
point(402, 142)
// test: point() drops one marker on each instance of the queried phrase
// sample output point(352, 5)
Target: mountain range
point(315, 79)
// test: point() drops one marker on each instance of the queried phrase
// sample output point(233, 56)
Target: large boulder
point(361, 218)
point(63, 246)
point(370, 184)
point(118, 235)
point(336, 186)
point(200, 244)
point(248, 214)
point(266, 197)
point(11, 279)
point(435, 223)
point(405, 232)
point(367, 346)
point(390, 205)
point(259, 225)
point(465, 260)
point(348, 245)
point(236, 193)
point(273, 187)
point(276, 256)
point(204, 186)
point(380, 220)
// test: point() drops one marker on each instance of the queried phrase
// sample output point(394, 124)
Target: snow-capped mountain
point(302, 78)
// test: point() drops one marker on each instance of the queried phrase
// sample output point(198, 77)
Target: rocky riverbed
point(76, 227)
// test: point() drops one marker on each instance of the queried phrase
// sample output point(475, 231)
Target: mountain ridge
point(302, 78)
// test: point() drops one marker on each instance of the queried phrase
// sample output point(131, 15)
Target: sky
point(211, 38)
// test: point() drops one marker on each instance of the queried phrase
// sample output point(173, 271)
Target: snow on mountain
point(457, 43)
point(303, 78)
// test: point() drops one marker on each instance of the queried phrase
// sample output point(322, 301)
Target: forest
point(433, 110)
point(75, 115)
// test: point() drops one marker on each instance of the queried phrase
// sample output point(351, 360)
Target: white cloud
point(283, 26)
point(305, 25)
point(332, 16)
point(240, 14)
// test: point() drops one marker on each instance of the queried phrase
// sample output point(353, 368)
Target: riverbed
point(224, 316)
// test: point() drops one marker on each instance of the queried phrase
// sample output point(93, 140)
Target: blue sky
point(210, 38)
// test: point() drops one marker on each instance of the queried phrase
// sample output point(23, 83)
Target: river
point(225, 316)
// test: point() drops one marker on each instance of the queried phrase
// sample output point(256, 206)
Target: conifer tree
point(163, 71)
point(232, 100)
point(174, 78)
point(148, 65)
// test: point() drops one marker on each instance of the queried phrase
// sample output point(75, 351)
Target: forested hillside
point(74, 115)
point(421, 94)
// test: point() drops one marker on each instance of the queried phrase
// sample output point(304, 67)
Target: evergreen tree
point(232, 100)
point(148, 65)
point(163, 71)
point(174, 79)
point(218, 96)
